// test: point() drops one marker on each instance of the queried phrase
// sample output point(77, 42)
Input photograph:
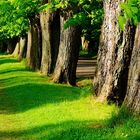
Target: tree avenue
point(52, 32)
point(47, 33)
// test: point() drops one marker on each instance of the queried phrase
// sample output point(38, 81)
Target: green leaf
point(122, 22)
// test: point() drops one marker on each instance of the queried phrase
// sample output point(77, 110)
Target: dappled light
point(33, 108)
point(69, 70)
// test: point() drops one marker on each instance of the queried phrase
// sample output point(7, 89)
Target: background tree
point(91, 29)
point(33, 56)
point(50, 26)
point(12, 22)
point(41, 21)
point(73, 13)
point(65, 70)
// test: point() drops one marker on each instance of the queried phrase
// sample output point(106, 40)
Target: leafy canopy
point(86, 13)
point(131, 11)
point(14, 16)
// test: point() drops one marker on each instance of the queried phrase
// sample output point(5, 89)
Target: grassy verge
point(32, 108)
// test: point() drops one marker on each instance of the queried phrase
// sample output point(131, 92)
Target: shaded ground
point(86, 68)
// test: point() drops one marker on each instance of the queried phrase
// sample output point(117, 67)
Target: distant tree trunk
point(33, 56)
point(132, 99)
point(11, 44)
point(85, 44)
point(3, 47)
point(50, 40)
point(23, 47)
point(65, 70)
point(20, 49)
point(114, 55)
point(17, 49)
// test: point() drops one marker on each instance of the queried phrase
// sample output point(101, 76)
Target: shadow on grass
point(74, 130)
point(21, 91)
point(4, 60)
point(12, 70)
point(20, 98)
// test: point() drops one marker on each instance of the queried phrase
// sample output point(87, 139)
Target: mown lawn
point(32, 108)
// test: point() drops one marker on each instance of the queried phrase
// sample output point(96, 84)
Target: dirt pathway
point(86, 68)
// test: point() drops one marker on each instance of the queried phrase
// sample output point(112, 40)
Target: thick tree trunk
point(50, 26)
point(132, 99)
point(33, 56)
point(55, 38)
point(46, 44)
point(65, 70)
point(114, 55)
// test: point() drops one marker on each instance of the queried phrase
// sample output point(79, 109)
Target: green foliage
point(131, 12)
point(14, 17)
point(85, 13)
point(89, 17)
point(32, 108)
point(77, 19)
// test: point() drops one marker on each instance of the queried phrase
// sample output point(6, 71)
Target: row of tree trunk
point(118, 72)
point(50, 48)
point(54, 51)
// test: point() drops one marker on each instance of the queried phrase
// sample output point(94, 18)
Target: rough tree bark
point(33, 56)
point(46, 45)
point(114, 55)
point(132, 99)
point(65, 70)
point(50, 26)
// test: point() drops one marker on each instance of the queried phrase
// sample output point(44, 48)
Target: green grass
point(88, 55)
point(32, 108)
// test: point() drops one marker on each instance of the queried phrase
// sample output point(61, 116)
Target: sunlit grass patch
point(32, 108)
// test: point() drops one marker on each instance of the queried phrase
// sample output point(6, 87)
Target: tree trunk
point(132, 99)
point(46, 44)
point(11, 44)
point(55, 38)
point(114, 55)
point(3, 47)
point(65, 70)
point(85, 44)
point(20, 49)
point(17, 49)
point(50, 40)
point(33, 56)
point(23, 48)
